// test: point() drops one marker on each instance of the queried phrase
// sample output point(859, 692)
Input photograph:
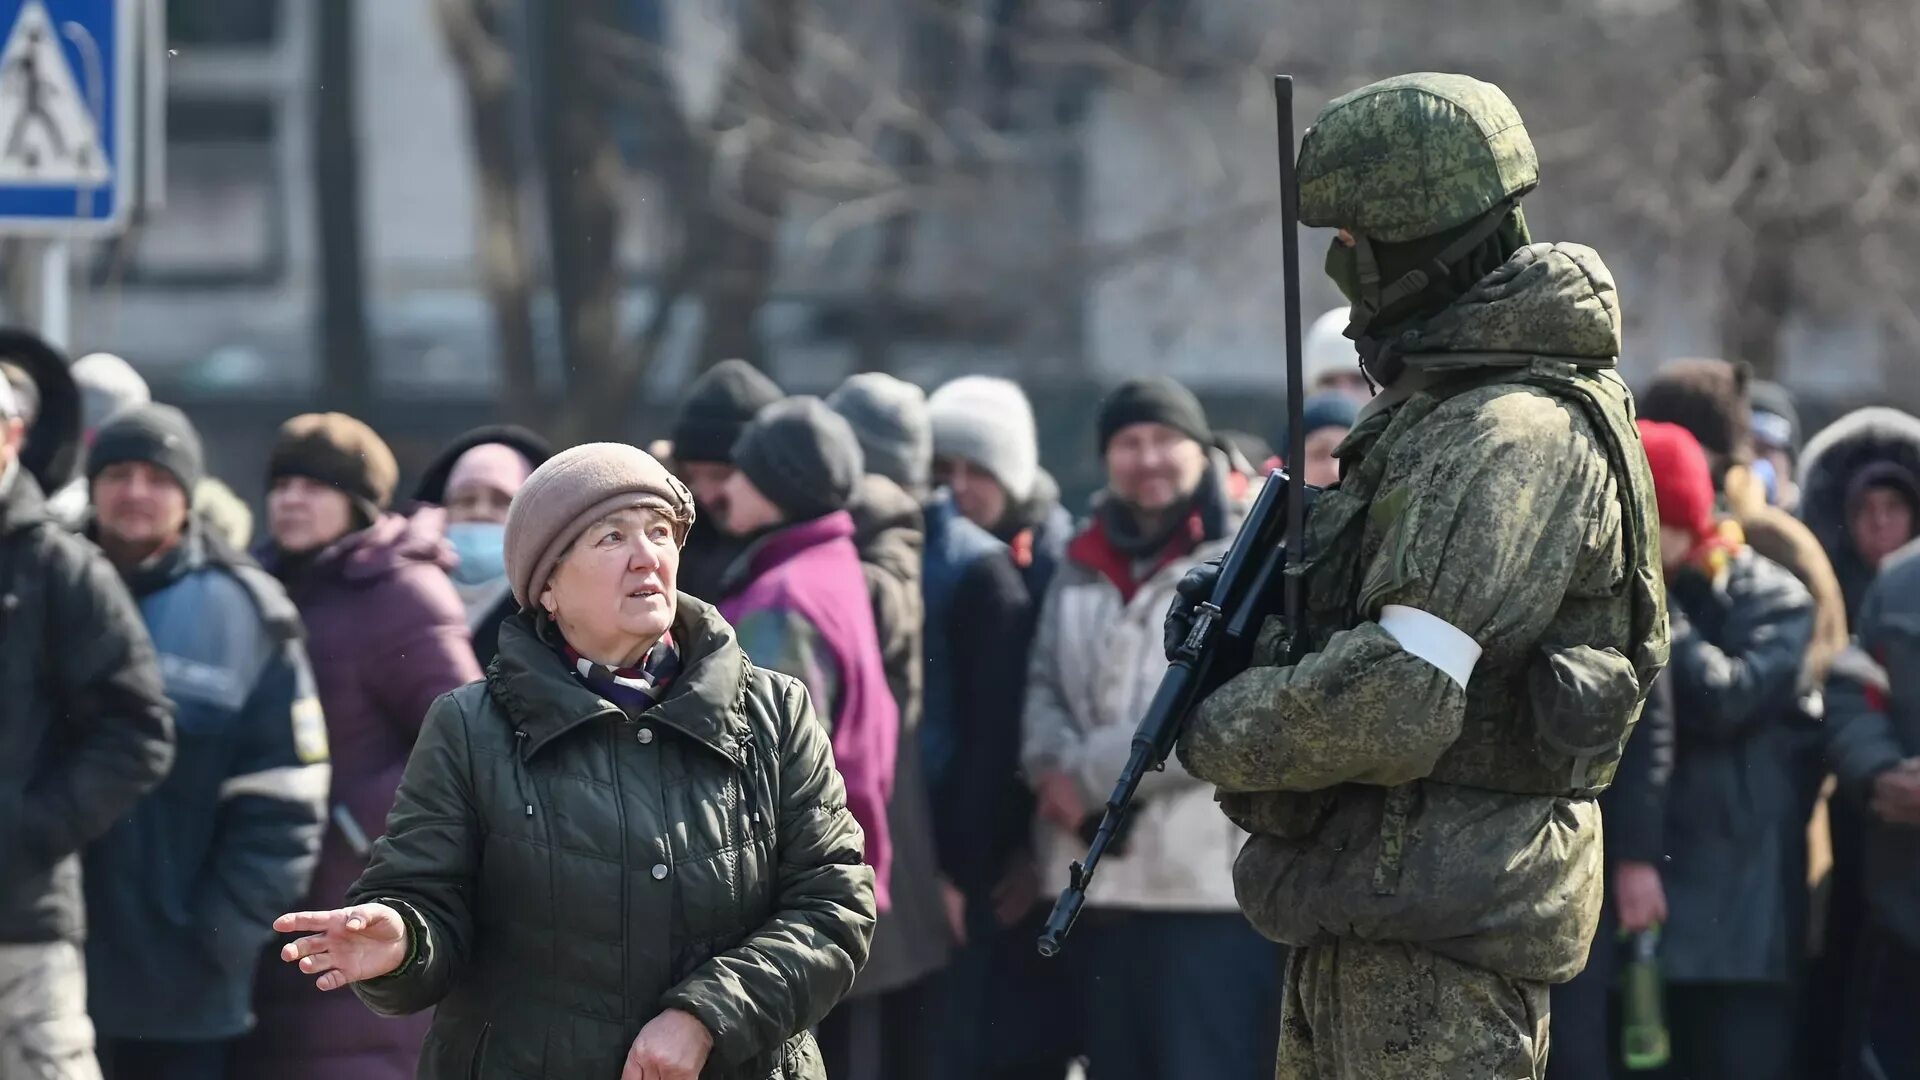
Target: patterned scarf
point(634, 689)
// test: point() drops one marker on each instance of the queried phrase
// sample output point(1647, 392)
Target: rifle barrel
point(1296, 376)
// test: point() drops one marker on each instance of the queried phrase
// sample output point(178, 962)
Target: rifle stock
point(1219, 645)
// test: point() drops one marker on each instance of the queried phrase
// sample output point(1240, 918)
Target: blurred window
point(223, 23)
point(225, 220)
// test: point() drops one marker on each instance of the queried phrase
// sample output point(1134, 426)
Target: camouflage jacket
point(1499, 487)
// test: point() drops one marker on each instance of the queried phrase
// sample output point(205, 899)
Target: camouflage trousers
point(1359, 1010)
point(44, 1030)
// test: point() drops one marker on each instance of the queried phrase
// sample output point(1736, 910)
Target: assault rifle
point(1218, 645)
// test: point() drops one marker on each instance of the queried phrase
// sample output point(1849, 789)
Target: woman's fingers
point(360, 917)
point(295, 921)
point(306, 946)
point(332, 980)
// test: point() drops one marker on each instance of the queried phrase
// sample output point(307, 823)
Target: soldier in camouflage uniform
point(1418, 762)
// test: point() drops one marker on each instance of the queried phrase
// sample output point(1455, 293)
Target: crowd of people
point(207, 729)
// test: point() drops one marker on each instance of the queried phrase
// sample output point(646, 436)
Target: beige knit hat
point(571, 491)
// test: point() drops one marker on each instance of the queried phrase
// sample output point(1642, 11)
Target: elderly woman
point(627, 852)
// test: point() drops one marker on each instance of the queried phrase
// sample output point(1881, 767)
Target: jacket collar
point(705, 702)
point(1095, 550)
point(786, 543)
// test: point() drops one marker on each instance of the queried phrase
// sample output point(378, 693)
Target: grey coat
point(1873, 722)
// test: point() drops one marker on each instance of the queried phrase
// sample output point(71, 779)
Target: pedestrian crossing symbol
point(48, 128)
point(69, 113)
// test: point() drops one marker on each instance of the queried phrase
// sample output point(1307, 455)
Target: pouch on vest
point(1583, 700)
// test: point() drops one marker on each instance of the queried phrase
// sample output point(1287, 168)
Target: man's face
point(1881, 524)
point(978, 496)
point(306, 515)
point(139, 505)
point(1321, 469)
point(1152, 467)
point(708, 482)
point(747, 509)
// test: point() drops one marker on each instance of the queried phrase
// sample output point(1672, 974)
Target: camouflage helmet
point(1413, 156)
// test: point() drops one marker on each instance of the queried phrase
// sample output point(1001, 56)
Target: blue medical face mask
point(1769, 478)
point(482, 547)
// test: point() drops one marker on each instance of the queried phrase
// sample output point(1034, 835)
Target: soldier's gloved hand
point(1195, 588)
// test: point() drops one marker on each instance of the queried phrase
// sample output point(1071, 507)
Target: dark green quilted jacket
point(570, 871)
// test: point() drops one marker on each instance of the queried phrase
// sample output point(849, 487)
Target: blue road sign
point(66, 116)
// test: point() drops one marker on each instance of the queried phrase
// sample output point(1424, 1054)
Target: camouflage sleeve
point(1485, 511)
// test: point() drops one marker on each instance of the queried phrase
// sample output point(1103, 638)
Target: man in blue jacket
point(182, 893)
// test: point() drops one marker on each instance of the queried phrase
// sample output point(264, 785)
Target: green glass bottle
point(1643, 1017)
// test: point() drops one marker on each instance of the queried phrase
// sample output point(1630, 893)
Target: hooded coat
point(1833, 458)
point(1497, 485)
point(432, 491)
point(52, 453)
point(387, 635)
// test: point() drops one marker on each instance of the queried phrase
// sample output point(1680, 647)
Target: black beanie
point(802, 456)
point(718, 406)
point(1153, 400)
point(159, 435)
point(1709, 399)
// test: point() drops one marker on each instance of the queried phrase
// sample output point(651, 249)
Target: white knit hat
point(108, 386)
point(1327, 349)
point(988, 422)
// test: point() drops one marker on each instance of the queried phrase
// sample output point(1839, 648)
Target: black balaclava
point(1406, 302)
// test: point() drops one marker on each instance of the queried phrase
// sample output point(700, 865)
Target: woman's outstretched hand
point(345, 945)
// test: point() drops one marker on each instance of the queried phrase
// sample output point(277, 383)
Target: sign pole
point(56, 297)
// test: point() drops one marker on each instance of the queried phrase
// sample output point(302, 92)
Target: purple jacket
point(800, 607)
point(387, 635)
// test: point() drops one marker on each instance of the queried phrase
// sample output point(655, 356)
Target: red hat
point(1682, 479)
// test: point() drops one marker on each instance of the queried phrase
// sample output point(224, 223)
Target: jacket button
point(645, 735)
point(659, 871)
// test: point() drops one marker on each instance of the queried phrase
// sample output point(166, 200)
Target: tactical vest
point(1551, 721)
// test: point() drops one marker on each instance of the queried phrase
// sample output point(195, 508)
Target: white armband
point(1433, 639)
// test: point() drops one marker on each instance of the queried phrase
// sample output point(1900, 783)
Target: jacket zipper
point(479, 1051)
point(614, 741)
